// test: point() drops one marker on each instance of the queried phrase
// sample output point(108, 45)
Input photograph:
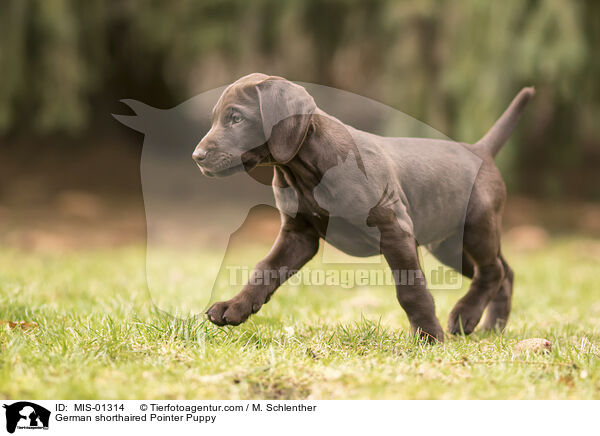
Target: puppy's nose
point(199, 154)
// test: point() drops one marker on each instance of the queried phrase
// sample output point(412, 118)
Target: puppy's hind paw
point(463, 320)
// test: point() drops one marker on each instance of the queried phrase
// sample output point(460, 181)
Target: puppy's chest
point(344, 227)
point(293, 202)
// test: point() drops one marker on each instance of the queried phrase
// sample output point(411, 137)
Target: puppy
point(397, 193)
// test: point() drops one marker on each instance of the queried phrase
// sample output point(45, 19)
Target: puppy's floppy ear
point(286, 109)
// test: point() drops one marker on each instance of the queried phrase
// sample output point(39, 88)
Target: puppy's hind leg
point(482, 244)
point(498, 309)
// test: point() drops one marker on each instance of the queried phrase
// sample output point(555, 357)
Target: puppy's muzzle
point(199, 155)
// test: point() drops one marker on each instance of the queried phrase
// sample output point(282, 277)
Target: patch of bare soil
point(274, 387)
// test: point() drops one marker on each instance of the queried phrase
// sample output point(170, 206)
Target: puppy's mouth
point(218, 166)
point(222, 172)
point(225, 168)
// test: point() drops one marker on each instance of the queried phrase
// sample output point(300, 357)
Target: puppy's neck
point(327, 141)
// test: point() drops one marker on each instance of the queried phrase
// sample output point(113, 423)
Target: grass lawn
point(99, 337)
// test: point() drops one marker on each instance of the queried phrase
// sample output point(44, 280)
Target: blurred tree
point(454, 65)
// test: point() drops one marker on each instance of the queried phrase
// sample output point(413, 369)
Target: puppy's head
point(257, 119)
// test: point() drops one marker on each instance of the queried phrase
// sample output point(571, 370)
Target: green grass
point(100, 337)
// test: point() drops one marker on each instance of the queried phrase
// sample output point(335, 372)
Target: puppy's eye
point(236, 118)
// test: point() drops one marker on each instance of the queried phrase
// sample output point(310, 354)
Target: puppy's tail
point(495, 138)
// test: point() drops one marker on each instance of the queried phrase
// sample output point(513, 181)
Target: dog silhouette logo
point(26, 415)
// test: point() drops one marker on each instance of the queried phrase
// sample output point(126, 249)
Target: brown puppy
point(397, 194)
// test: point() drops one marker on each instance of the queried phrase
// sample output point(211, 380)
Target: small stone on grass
point(533, 345)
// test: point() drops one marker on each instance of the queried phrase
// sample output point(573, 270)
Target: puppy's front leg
point(400, 250)
point(295, 245)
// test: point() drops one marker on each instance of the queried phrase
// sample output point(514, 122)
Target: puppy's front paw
point(230, 312)
point(431, 331)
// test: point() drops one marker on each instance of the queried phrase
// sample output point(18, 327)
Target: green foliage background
point(455, 65)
